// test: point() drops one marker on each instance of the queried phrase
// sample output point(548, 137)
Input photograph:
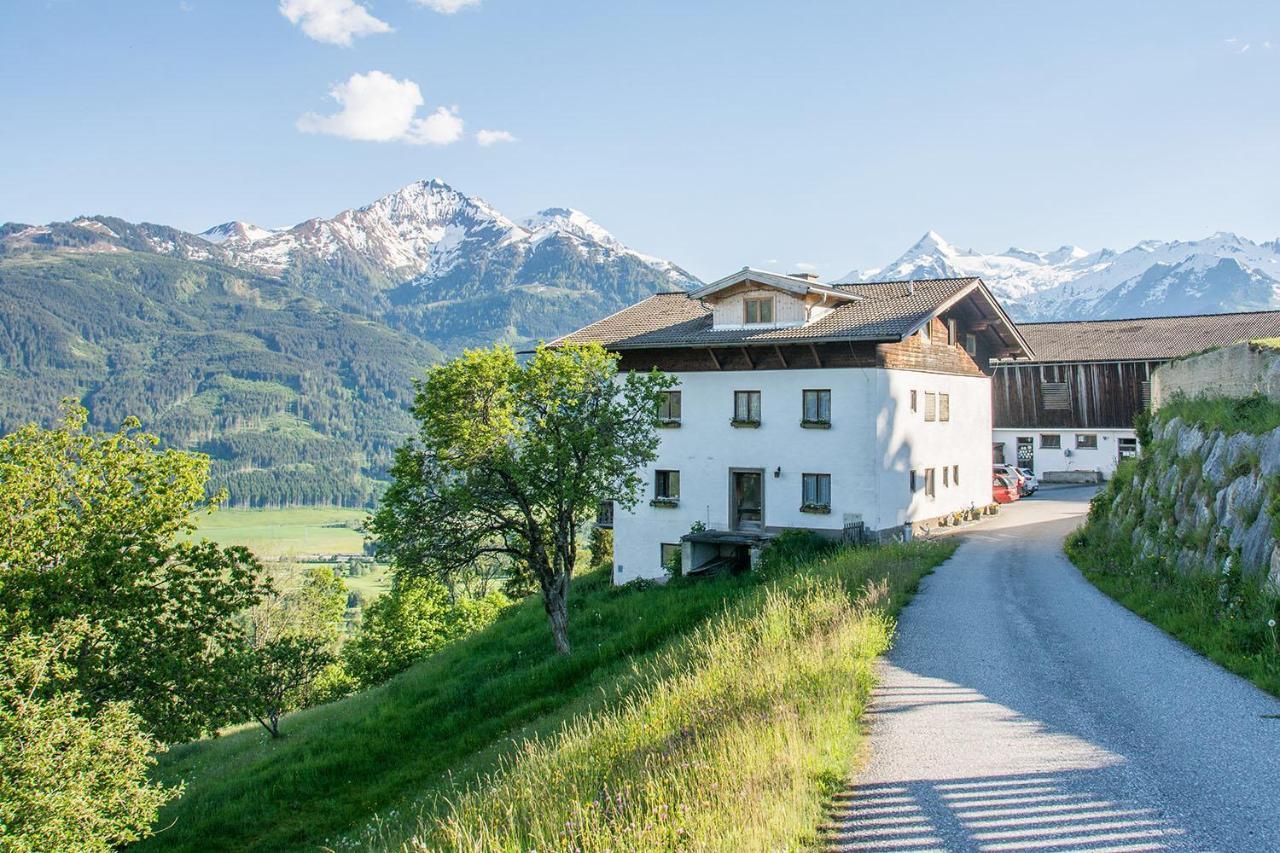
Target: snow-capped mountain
point(427, 258)
point(235, 234)
point(424, 231)
point(1220, 273)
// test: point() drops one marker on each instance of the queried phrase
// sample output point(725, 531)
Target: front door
point(1027, 453)
point(747, 510)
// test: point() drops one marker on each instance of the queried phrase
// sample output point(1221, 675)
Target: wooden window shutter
point(1056, 396)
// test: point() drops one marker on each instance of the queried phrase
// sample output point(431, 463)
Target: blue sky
point(716, 134)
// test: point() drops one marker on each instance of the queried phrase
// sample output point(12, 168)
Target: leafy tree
point(415, 618)
point(71, 778)
point(291, 640)
point(512, 459)
point(93, 525)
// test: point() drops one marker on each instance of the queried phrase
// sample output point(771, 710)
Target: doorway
point(1027, 453)
point(746, 499)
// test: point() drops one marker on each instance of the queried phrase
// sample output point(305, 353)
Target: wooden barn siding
point(1103, 394)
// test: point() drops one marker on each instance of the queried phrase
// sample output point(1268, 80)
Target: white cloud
point(447, 7)
point(442, 127)
point(490, 137)
point(805, 266)
point(332, 21)
point(377, 107)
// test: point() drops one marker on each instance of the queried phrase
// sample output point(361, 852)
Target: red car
point(1004, 490)
point(1013, 474)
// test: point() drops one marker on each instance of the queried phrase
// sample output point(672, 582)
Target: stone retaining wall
point(1197, 497)
point(1240, 370)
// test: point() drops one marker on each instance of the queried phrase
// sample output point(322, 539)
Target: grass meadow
point(714, 714)
point(283, 533)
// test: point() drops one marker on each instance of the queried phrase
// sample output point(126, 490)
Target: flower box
point(737, 424)
point(665, 503)
point(816, 509)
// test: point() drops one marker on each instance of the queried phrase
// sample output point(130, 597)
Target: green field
point(282, 533)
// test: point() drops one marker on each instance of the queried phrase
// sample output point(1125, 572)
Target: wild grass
point(1255, 414)
point(1230, 619)
point(733, 702)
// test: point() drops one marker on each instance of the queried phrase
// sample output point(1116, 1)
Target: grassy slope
point(274, 533)
point(383, 753)
point(1233, 633)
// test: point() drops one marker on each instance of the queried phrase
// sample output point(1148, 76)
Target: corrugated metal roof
point(1145, 339)
point(885, 311)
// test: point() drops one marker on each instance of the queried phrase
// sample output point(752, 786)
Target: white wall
point(909, 442)
point(1103, 459)
point(872, 445)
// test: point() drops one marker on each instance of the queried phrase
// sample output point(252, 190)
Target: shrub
point(71, 778)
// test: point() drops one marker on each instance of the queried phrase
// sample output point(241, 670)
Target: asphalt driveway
point(1024, 710)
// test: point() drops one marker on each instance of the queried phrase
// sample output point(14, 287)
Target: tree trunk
point(555, 599)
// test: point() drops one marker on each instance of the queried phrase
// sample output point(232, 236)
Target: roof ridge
point(1158, 317)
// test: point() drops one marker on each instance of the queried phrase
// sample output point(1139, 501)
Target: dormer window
point(757, 309)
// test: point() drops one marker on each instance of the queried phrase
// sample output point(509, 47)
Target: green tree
point(70, 778)
point(94, 525)
point(291, 640)
point(512, 459)
point(414, 619)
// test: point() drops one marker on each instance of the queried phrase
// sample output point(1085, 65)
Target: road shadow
point(1055, 811)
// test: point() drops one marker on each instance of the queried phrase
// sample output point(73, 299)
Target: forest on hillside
point(297, 402)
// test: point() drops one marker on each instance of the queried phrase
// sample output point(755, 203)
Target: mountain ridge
point(1220, 273)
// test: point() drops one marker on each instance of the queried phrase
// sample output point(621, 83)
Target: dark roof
point(1145, 339)
point(886, 311)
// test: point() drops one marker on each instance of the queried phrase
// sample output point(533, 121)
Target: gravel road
point(1024, 710)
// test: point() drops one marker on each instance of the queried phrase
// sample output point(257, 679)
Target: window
point(817, 407)
point(1056, 397)
point(913, 402)
point(757, 309)
point(604, 514)
point(946, 476)
point(670, 554)
point(746, 407)
point(971, 344)
point(955, 475)
point(929, 485)
point(816, 491)
point(913, 482)
point(944, 407)
point(669, 407)
point(1050, 442)
point(1086, 441)
point(930, 406)
point(952, 334)
point(666, 485)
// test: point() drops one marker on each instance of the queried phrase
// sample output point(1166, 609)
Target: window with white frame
point(1050, 442)
point(1086, 441)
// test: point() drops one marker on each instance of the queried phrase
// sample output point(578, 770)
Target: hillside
point(1217, 274)
point(296, 402)
point(741, 694)
point(289, 355)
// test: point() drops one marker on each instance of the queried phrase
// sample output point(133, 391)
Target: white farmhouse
point(849, 410)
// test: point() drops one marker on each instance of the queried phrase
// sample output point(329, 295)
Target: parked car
point(1003, 489)
point(1012, 473)
point(1032, 483)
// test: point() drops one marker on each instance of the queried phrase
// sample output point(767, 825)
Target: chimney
point(807, 276)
